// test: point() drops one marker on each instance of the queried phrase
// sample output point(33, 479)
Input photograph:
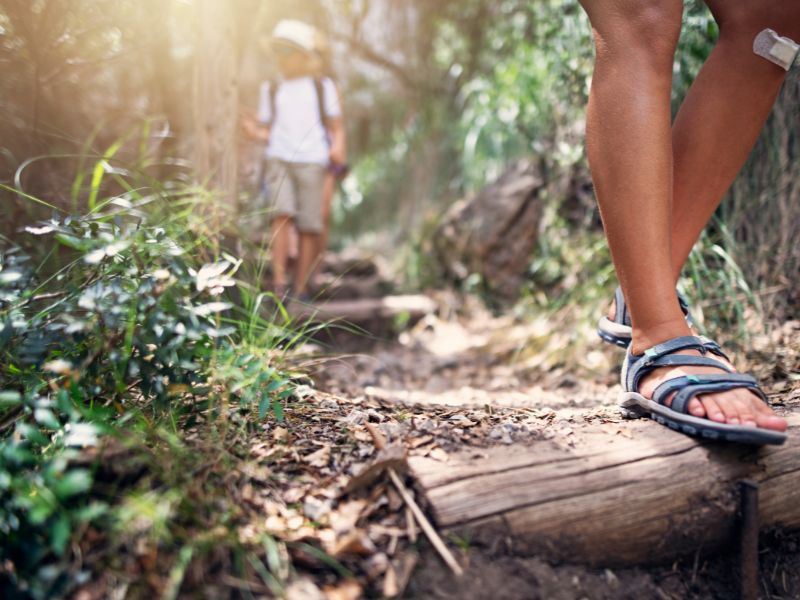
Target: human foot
point(687, 383)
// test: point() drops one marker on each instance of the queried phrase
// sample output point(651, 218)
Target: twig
point(380, 442)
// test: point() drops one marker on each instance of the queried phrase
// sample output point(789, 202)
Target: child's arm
point(255, 130)
point(336, 131)
point(338, 151)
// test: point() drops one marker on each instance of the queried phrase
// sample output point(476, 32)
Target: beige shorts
point(295, 189)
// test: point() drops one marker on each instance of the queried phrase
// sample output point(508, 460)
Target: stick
point(748, 540)
point(425, 525)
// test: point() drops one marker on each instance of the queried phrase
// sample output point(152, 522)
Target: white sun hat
point(296, 33)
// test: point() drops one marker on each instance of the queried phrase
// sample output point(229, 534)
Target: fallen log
point(364, 309)
point(611, 500)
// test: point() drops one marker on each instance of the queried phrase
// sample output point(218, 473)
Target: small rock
point(356, 417)
point(315, 509)
point(374, 415)
point(329, 404)
point(501, 434)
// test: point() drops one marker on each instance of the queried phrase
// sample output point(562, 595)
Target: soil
point(508, 382)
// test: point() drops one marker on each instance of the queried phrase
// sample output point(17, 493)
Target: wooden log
point(612, 501)
point(364, 309)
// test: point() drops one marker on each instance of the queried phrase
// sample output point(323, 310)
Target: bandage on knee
point(780, 50)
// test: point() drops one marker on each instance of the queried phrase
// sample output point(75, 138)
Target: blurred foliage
point(133, 329)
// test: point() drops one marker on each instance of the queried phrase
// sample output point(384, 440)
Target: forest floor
point(315, 484)
point(470, 380)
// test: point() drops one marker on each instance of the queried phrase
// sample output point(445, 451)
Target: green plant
point(132, 330)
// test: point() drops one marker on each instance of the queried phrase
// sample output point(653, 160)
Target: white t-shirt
point(297, 133)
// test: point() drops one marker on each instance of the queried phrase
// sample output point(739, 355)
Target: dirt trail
point(449, 384)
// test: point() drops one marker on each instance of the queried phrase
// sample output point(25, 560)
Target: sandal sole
point(633, 405)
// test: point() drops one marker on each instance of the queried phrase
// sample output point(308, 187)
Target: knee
point(745, 18)
point(645, 31)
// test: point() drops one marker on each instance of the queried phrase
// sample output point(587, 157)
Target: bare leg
point(630, 151)
point(327, 201)
point(280, 228)
point(723, 114)
point(309, 243)
point(629, 142)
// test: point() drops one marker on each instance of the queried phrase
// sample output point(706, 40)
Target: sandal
point(619, 331)
point(676, 416)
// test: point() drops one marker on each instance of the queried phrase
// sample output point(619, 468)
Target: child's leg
point(723, 113)
point(306, 260)
point(327, 200)
point(280, 228)
point(310, 181)
point(629, 143)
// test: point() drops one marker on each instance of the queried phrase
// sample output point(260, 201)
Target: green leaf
point(60, 533)
point(91, 512)
point(46, 418)
point(275, 385)
point(9, 398)
point(71, 241)
point(74, 482)
point(277, 408)
point(263, 407)
point(32, 434)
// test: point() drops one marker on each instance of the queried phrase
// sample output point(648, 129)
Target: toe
point(696, 408)
point(766, 417)
point(746, 414)
point(712, 409)
point(728, 407)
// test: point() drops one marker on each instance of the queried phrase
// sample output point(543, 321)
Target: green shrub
point(133, 325)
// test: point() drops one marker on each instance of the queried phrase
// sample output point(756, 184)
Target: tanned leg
point(629, 143)
point(723, 114)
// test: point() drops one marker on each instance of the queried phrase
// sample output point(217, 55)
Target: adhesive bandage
point(780, 50)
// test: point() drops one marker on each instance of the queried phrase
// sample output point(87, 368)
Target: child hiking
point(300, 122)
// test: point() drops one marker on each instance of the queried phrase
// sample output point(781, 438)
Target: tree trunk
point(612, 501)
point(216, 106)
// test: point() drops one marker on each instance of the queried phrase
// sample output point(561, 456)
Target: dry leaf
point(304, 589)
point(355, 542)
point(439, 454)
point(390, 587)
point(281, 434)
point(345, 517)
point(417, 442)
point(294, 495)
point(320, 458)
point(391, 457)
point(347, 590)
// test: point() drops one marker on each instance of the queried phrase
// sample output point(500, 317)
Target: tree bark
point(612, 501)
point(216, 104)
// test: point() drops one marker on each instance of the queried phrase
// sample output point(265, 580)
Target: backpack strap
point(319, 87)
point(273, 107)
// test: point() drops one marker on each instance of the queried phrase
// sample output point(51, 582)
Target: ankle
point(657, 333)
